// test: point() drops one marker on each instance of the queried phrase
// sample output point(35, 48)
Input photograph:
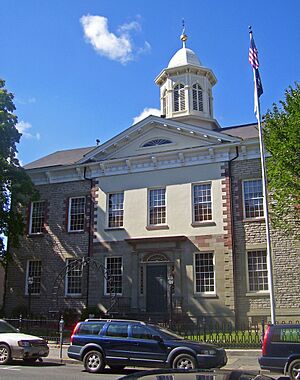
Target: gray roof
point(71, 156)
point(60, 158)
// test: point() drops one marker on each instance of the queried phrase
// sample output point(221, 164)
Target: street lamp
point(171, 284)
point(29, 284)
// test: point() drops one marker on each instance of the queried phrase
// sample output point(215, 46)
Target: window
point(197, 97)
point(37, 217)
point(76, 214)
point(179, 98)
point(114, 270)
point(140, 332)
point(257, 271)
point(202, 203)
point(157, 142)
point(115, 210)
point(210, 104)
point(204, 272)
point(286, 334)
point(118, 330)
point(73, 277)
point(90, 328)
point(157, 206)
point(33, 277)
point(253, 199)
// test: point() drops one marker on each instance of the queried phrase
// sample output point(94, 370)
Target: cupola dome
point(184, 56)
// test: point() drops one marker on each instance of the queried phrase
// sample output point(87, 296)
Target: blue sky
point(77, 78)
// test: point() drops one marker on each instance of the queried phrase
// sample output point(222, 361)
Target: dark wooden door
point(157, 288)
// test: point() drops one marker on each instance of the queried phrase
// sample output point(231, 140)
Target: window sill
point(73, 296)
point(158, 227)
point(114, 229)
point(39, 235)
point(203, 224)
point(251, 220)
point(107, 296)
point(205, 295)
point(257, 294)
point(76, 232)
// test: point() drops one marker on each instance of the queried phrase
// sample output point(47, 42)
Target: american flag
point(253, 59)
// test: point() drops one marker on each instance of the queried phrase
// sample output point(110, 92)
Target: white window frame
point(266, 291)
point(106, 293)
point(199, 98)
point(31, 214)
point(148, 206)
point(244, 205)
point(193, 203)
point(108, 210)
point(69, 213)
point(67, 294)
point(181, 97)
point(214, 272)
point(27, 276)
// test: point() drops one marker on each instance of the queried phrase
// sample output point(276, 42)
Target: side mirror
point(157, 338)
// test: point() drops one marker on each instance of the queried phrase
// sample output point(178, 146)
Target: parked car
point(15, 345)
point(120, 343)
point(281, 350)
point(175, 374)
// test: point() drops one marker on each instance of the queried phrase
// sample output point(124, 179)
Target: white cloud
point(23, 128)
point(146, 112)
point(30, 100)
point(115, 47)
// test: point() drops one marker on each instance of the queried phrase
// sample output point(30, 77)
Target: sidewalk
point(237, 359)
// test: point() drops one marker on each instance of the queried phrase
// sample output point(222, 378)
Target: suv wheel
point(93, 362)
point(294, 369)
point(4, 354)
point(184, 361)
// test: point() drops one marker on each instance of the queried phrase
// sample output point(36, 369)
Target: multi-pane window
point(115, 210)
point(33, 277)
point(179, 98)
point(210, 103)
point(157, 206)
point(114, 275)
point(37, 217)
point(76, 213)
point(164, 103)
point(257, 271)
point(73, 277)
point(204, 272)
point(197, 97)
point(253, 198)
point(202, 203)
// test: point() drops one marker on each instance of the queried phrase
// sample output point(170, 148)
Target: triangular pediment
point(154, 135)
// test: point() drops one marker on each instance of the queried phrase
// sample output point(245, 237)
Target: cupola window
point(179, 98)
point(197, 97)
point(164, 103)
point(157, 142)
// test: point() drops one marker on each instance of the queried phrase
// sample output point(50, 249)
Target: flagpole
point(265, 198)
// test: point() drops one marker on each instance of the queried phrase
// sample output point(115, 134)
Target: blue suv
point(281, 350)
point(120, 343)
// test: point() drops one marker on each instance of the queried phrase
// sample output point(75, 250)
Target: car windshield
point(167, 334)
point(6, 328)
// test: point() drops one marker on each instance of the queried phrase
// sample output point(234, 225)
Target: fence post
point(61, 330)
point(262, 330)
point(204, 328)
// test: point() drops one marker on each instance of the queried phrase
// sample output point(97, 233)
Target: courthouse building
point(164, 218)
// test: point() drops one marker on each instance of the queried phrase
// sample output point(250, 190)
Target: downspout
point(90, 238)
point(232, 219)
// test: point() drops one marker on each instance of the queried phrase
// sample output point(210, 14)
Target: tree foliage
point(16, 187)
point(282, 141)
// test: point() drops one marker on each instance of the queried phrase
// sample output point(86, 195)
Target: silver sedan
point(15, 345)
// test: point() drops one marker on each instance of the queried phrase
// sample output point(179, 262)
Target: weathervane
point(183, 36)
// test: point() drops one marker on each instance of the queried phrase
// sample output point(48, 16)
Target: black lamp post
point(29, 284)
point(171, 284)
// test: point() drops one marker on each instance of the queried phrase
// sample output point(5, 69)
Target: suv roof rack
point(114, 320)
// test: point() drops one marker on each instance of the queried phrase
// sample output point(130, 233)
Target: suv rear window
point(90, 328)
point(287, 334)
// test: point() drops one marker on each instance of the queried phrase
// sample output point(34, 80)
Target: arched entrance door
point(156, 284)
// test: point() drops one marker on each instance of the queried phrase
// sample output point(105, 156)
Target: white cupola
point(186, 89)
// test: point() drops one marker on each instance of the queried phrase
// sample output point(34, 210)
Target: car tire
point(93, 361)
point(184, 361)
point(116, 367)
point(294, 369)
point(5, 354)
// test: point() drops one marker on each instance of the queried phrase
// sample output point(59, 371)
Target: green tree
point(16, 187)
point(282, 141)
